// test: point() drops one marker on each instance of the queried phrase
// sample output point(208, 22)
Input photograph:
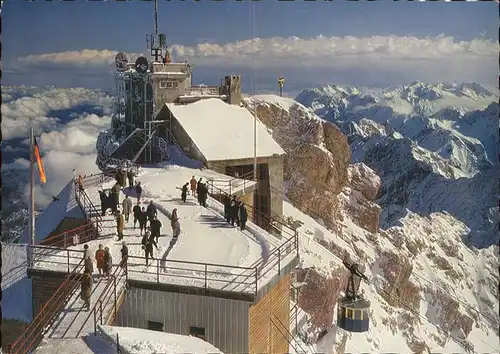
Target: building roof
point(54, 213)
point(222, 131)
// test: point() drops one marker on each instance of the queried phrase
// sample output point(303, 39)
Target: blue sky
point(52, 27)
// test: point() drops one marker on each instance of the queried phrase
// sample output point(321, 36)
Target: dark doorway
point(262, 198)
point(155, 326)
point(198, 332)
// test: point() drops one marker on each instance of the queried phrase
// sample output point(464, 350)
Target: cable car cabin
point(353, 316)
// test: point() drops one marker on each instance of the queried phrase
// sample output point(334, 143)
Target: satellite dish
point(141, 65)
point(121, 61)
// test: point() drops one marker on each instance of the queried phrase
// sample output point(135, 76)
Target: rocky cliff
point(427, 291)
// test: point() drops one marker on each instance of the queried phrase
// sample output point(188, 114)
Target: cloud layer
point(65, 145)
point(347, 60)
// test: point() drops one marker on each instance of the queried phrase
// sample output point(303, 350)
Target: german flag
point(39, 161)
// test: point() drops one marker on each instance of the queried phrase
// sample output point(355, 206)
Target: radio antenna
point(156, 17)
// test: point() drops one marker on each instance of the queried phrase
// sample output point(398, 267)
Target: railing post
point(67, 251)
point(256, 279)
point(279, 260)
point(206, 276)
point(114, 286)
point(95, 322)
point(158, 271)
point(230, 189)
point(100, 311)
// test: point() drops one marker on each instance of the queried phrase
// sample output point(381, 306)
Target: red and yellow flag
point(39, 162)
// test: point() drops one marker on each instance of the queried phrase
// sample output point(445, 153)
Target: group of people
point(198, 189)
point(235, 211)
point(104, 263)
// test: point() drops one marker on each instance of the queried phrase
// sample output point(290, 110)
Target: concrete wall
point(167, 95)
point(275, 165)
point(264, 336)
point(225, 321)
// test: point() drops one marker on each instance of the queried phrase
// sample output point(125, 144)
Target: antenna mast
point(156, 17)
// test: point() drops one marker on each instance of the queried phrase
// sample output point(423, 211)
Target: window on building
point(198, 332)
point(168, 84)
point(155, 326)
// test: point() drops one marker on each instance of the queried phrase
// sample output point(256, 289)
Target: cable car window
point(198, 332)
point(155, 326)
point(349, 313)
point(358, 314)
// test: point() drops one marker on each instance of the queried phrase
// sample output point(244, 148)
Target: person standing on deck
point(99, 257)
point(233, 210)
point(115, 192)
point(108, 262)
point(130, 177)
point(137, 214)
point(86, 288)
point(147, 245)
point(198, 185)
point(138, 192)
point(193, 186)
point(86, 251)
point(151, 211)
point(89, 265)
point(124, 252)
point(184, 192)
point(79, 182)
point(120, 225)
point(176, 225)
point(143, 218)
point(155, 227)
point(226, 201)
point(203, 195)
point(127, 207)
point(243, 216)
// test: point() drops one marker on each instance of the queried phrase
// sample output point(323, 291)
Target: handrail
point(39, 252)
point(60, 238)
point(136, 156)
point(124, 140)
point(287, 331)
point(84, 201)
point(27, 340)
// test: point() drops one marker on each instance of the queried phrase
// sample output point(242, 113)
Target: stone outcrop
point(321, 181)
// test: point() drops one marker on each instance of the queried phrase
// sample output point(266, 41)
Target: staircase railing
point(72, 237)
point(33, 334)
point(110, 294)
point(91, 213)
point(234, 183)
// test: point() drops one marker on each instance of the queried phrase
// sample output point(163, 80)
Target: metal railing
point(234, 184)
point(89, 209)
point(203, 275)
point(285, 332)
point(33, 334)
point(72, 237)
point(202, 91)
point(54, 258)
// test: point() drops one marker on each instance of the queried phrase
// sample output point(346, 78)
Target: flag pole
point(32, 187)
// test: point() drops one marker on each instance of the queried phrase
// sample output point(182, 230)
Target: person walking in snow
point(193, 184)
point(175, 224)
point(138, 192)
point(151, 211)
point(130, 177)
point(147, 245)
point(184, 192)
point(233, 210)
point(137, 214)
point(99, 257)
point(226, 201)
point(115, 193)
point(243, 216)
point(108, 262)
point(127, 207)
point(86, 288)
point(124, 252)
point(120, 225)
point(143, 219)
point(155, 228)
point(198, 185)
point(203, 194)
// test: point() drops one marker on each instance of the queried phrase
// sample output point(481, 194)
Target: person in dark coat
point(233, 210)
point(138, 191)
point(151, 211)
point(108, 262)
point(127, 207)
point(115, 193)
point(104, 202)
point(147, 245)
point(137, 214)
point(203, 194)
point(89, 265)
point(130, 177)
point(198, 185)
point(243, 216)
point(86, 288)
point(155, 228)
point(120, 225)
point(143, 218)
point(226, 201)
point(124, 252)
point(184, 192)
